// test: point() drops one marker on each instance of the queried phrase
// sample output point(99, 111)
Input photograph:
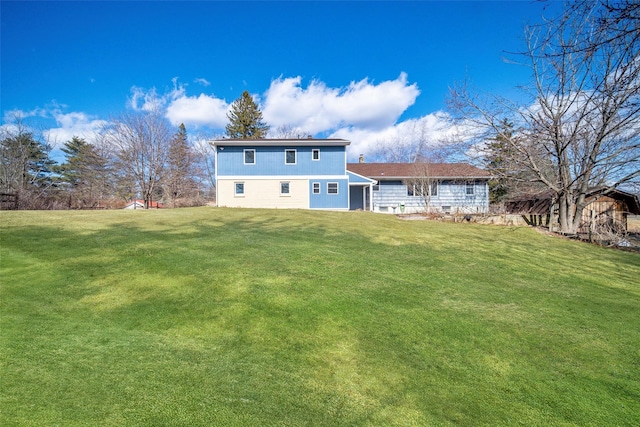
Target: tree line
point(138, 155)
point(573, 134)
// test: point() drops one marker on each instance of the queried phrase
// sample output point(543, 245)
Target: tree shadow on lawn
point(302, 320)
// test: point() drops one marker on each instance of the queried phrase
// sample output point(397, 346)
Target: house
point(287, 173)
point(139, 204)
point(426, 187)
point(607, 211)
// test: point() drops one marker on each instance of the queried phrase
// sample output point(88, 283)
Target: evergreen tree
point(245, 119)
point(26, 168)
point(511, 177)
point(24, 163)
point(496, 154)
point(180, 179)
point(84, 173)
point(71, 171)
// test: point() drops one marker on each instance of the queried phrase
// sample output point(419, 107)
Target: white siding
point(264, 193)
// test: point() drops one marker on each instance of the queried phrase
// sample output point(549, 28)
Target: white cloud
point(73, 124)
point(67, 125)
point(12, 116)
point(435, 129)
point(146, 100)
point(202, 110)
point(364, 112)
point(319, 108)
point(202, 81)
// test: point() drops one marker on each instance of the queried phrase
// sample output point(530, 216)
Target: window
point(415, 190)
point(332, 188)
point(376, 187)
point(290, 157)
point(470, 188)
point(433, 188)
point(249, 157)
point(316, 188)
point(284, 188)
point(315, 154)
point(239, 188)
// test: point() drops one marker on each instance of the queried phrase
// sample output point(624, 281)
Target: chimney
point(361, 158)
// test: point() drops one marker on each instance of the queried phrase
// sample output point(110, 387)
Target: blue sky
point(360, 70)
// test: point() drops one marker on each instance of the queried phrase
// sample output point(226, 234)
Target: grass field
point(198, 317)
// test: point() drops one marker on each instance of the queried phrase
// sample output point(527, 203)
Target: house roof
point(355, 179)
point(388, 171)
point(278, 142)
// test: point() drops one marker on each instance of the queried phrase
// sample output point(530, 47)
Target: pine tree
point(496, 154)
point(84, 172)
point(245, 119)
point(180, 185)
point(24, 163)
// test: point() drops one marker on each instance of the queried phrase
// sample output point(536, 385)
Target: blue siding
point(329, 201)
point(270, 161)
point(451, 197)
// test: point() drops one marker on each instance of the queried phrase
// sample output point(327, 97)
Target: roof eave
point(427, 177)
point(280, 142)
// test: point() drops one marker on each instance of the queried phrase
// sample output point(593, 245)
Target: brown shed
point(608, 210)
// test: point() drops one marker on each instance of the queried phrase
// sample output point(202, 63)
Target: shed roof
point(539, 204)
point(388, 171)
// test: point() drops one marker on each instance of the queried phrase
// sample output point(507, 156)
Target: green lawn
point(226, 317)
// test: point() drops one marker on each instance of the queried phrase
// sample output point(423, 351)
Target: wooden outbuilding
point(607, 211)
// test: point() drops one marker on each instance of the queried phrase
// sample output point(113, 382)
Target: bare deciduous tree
point(423, 183)
point(417, 141)
point(206, 156)
point(140, 143)
point(289, 132)
point(579, 131)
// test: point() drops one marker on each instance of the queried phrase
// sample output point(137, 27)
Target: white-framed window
point(415, 190)
point(239, 189)
point(249, 156)
point(419, 190)
point(315, 154)
point(470, 191)
point(376, 187)
point(316, 188)
point(285, 188)
point(290, 156)
point(332, 188)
